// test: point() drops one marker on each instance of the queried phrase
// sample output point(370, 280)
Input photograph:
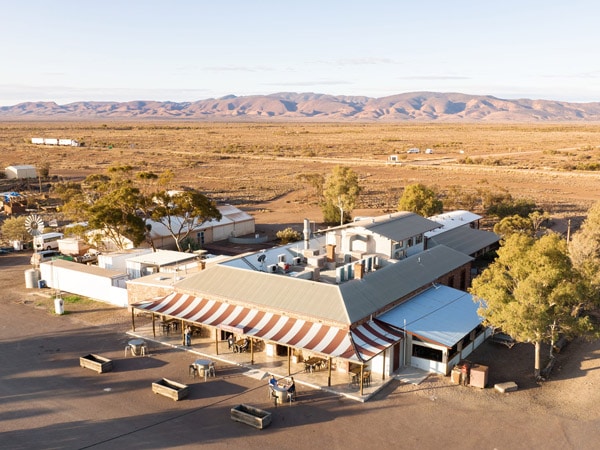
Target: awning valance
point(359, 344)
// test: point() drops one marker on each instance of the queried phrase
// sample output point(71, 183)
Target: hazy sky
point(68, 51)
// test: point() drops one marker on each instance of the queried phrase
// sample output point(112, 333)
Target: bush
point(289, 235)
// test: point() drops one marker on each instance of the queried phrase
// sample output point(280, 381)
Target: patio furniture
point(137, 347)
point(204, 367)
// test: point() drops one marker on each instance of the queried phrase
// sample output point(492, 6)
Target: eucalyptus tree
point(532, 292)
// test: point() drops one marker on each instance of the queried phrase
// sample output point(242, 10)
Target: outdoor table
point(281, 392)
point(204, 365)
point(137, 346)
point(241, 345)
point(314, 362)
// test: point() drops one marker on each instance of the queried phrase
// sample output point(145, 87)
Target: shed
point(21, 171)
point(161, 261)
point(89, 281)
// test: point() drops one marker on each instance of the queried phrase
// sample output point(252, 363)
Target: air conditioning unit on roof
point(272, 268)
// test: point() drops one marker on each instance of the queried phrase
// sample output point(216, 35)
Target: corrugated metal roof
point(380, 288)
point(441, 314)
point(345, 304)
point(453, 219)
point(465, 239)
point(397, 226)
point(305, 298)
point(360, 344)
point(162, 258)
point(93, 270)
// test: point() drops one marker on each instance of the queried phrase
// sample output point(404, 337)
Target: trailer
point(37, 141)
point(50, 141)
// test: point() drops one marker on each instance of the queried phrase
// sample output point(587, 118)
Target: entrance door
point(396, 357)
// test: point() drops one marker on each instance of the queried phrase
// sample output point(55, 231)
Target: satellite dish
point(261, 258)
point(34, 225)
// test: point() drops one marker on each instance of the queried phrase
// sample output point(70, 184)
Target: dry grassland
point(249, 164)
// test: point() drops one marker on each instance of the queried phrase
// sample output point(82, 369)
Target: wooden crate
point(97, 363)
point(170, 388)
point(250, 415)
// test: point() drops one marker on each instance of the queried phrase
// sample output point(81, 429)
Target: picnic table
point(312, 363)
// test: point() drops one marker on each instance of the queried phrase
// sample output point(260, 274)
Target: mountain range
point(414, 106)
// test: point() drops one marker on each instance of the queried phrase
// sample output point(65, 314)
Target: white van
point(47, 241)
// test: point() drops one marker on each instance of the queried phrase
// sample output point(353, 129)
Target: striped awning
point(373, 337)
point(359, 344)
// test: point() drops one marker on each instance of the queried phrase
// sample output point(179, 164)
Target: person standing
point(187, 334)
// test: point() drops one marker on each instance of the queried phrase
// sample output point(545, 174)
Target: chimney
point(306, 232)
point(359, 270)
point(330, 252)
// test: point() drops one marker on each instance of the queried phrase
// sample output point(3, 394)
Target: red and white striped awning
point(359, 344)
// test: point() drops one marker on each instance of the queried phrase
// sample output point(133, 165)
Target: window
point(432, 354)
point(419, 239)
point(410, 242)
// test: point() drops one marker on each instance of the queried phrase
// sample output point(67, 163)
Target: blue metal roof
point(441, 314)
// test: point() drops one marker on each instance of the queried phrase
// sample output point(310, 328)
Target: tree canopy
point(182, 212)
point(584, 249)
point(532, 292)
point(340, 195)
point(421, 200)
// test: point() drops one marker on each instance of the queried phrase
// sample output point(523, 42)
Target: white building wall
point(117, 261)
point(85, 284)
point(221, 233)
point(18, 172)
point(244, 228)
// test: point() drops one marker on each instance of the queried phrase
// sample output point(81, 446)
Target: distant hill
point(414, 106)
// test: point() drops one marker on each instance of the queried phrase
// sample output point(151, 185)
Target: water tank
point(32, 276)
point(59, 306)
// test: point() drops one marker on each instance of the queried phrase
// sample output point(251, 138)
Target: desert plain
point(46, 398)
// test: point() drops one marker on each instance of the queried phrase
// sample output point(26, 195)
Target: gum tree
point(532, 292)
point(340, 195)
point(421, 200)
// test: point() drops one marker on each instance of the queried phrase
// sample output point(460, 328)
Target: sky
point(188, 50)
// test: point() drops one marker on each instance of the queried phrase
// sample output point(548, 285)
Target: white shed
point(89, 281)
point(162, 261)
point(117, 260)
point(22, 171)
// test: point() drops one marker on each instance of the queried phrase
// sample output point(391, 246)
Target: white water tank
point(32, 276)
point(59, 307)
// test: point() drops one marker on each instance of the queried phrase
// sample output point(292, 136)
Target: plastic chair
point(212, 371)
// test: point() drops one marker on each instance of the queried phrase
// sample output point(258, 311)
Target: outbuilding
point(20, 172)
point(89, 281)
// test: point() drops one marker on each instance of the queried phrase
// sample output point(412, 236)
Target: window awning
point(359, 344)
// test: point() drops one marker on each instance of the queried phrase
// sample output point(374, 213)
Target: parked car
point(429, 151)
point(413, 150)
point(43, 256)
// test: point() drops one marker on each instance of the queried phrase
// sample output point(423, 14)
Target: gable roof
point(366, 296)
point(305, 298)
point(359, 344)
point(397, 226)
point(465, 239)
point(342, 304)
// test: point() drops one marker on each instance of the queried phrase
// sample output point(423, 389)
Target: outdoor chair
point(212, 371)
point(193, 370)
